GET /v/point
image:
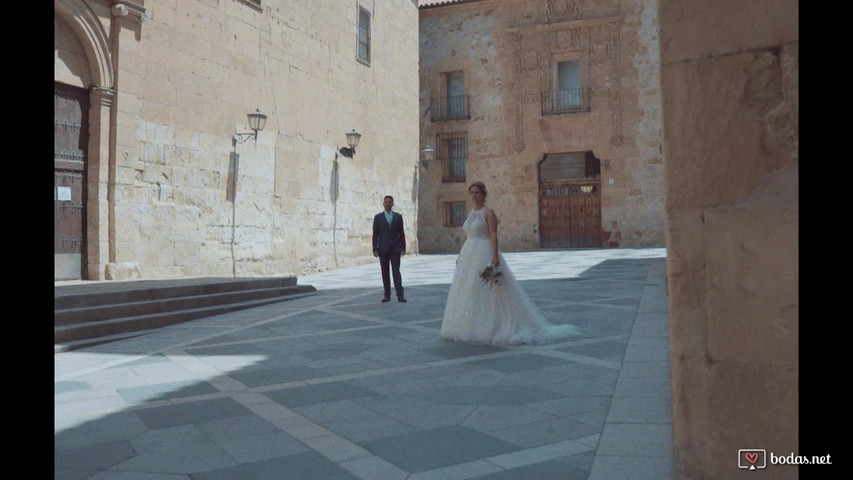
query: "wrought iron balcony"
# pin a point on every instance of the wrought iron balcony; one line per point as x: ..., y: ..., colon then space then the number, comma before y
x: 450, y: 108
x: 555, y: 102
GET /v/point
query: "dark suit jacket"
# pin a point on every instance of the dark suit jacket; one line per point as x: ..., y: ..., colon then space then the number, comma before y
x: 388, y: 238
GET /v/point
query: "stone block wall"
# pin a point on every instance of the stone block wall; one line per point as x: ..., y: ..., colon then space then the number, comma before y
x: 729, y: 79
x: 506, y: 49
x: 184, y: 202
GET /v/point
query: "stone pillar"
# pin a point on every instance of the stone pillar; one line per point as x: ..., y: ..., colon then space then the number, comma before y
x: 729, y: 76
x: 98, y: 213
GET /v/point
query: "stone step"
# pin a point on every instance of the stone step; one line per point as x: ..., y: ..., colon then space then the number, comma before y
x: 88, y: 294
x: 106, y: 311
x: 88, y: 314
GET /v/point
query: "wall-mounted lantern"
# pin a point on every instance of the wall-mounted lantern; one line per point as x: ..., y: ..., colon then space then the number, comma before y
x: 257, y: 122
x: 429, y: 154
x: 352, y: 140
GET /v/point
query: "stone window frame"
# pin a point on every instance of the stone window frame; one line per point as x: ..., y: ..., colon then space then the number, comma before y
x: 362, y: 12
x: 584, y: 104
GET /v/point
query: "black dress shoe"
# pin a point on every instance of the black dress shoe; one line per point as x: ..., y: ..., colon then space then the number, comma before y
x: 386, y: 299
x: 401, y: 299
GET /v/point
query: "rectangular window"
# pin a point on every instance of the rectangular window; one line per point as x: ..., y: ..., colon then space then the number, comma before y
x: 455, y: 94
x: 455, y: 213
x: 363, y: 53
x: 453, y: 154
x: 567, y: 94
x: 568, y: 84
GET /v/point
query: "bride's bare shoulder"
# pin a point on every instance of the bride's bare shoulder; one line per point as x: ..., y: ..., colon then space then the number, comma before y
x: 490, y: 212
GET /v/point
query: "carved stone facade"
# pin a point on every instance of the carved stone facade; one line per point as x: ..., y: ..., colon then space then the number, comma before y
x: 560, y: 120
x: 170, y: 82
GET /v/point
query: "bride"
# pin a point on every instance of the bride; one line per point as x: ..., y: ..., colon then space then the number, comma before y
x: 487, y: 305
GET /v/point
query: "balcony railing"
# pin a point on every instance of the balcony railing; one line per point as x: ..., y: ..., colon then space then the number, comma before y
x: 574, y: 100
x: 449, y: 108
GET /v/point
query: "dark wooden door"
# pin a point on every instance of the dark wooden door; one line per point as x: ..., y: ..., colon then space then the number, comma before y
x: 570, y: 214
x: 70, y: 142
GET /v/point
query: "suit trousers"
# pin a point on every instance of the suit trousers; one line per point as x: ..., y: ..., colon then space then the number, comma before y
x: 391, y: 260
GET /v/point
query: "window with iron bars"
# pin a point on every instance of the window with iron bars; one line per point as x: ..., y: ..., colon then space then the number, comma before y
x: 455, y: 213
x: 454, y: 105
x: 452, y: 151
x: 568, y: 95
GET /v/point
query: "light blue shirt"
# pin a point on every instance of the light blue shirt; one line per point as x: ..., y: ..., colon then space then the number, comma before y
x: 389, y: 216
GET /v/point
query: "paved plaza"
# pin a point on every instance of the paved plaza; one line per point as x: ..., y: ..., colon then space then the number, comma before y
x: 340, y: 386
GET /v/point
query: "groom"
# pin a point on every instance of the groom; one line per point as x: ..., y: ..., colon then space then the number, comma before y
x: 389, y: 243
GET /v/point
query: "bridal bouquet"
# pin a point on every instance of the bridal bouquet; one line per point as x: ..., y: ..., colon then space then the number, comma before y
x: 492, y: 275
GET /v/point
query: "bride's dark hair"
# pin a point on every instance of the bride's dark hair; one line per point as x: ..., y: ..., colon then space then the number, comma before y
x: 481, y: 186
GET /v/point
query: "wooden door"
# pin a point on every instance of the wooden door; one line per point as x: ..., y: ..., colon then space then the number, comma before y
x: 70, y: 141
x: 570, y: 215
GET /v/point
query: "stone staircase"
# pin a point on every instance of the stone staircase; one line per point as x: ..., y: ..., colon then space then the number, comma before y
x: 91, y: 313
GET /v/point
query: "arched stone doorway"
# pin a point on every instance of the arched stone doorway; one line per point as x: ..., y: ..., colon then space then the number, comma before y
x: 83, y: 100
x: 570, y: 200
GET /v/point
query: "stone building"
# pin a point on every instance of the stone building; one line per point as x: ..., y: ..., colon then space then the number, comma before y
x: 150, y: 93
x: 730, y: 109
x: 554, y: 105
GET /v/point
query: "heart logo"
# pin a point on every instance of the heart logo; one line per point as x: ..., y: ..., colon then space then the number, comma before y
x: 752, y: 457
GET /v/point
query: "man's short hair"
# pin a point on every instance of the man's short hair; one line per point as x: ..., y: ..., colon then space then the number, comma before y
x: 388, y: 196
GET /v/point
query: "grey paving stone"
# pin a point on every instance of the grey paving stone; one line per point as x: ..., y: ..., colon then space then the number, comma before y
x: 574, y: 405
x: 238, y: 349
x: 257, y: 377
x: 646, y: 369
x: 121, y: 426
x: 147, y: 360
x: 68, y: 386
x: 550, y: 470
x: 452, y: 350
x: 330, y: 413
x: 431, y: 416
x: 381, y: 331
x: 643, y: 388
x: 487, y: 417
x: 636, y: 440
x: 585, y: 387
x: 552, y: 430
x: 249, y: 438
x: 608, y: 467
x: 640, y: 410
x: 490, y: 395
x: 520, y: 362
x: 83, y: 462
x: 165, y: 391
x: 612, y: 350
x: 360, y: 429
x: 301, y: 466
x: 181, y: 449
x: 430, y: 449
x: 190, y: 413
x: 114, y: 475
x: 320, y: 393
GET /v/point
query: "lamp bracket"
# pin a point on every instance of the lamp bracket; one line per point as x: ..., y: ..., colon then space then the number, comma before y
x: 243, y: 137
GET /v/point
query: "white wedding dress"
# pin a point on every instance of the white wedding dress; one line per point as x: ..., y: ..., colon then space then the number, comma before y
x: 477, y: 312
